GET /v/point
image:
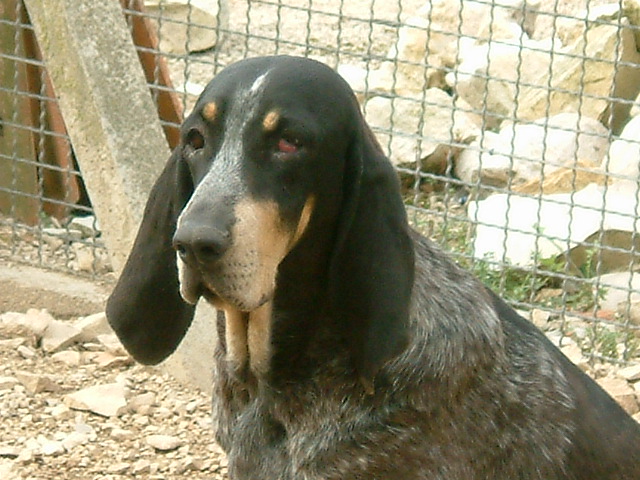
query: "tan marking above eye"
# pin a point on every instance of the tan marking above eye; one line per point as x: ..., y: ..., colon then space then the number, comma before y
x: 271, y: 119
x: 209, y: 111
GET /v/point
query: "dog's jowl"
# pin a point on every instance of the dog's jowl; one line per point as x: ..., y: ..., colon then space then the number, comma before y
x: 349, y: 346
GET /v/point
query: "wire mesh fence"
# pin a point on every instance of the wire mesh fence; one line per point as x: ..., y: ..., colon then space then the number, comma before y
x: 513, y: 125
x: 45, y: 215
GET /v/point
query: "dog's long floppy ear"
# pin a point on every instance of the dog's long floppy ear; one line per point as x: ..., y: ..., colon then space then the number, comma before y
x: 372, y: 269
x: 145, y: 308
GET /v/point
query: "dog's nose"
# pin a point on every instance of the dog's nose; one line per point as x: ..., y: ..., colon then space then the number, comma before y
x: 200, y: 244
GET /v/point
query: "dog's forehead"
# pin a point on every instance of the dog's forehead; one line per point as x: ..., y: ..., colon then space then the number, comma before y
x: 286, y: 82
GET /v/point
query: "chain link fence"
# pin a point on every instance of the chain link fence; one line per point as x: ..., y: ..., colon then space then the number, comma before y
x: 513, y: 125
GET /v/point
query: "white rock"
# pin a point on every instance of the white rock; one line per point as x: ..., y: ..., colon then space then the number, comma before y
x: 619, y: 289
x: 106, y: 400
x: 400, y: 122
x: 574, y: 353
x: 70, y: 358
x: 513, y: 228
x: 58, y: 336
x: 356, y: 77
x: 52, y: 448
x: 622, y: 393
x: 624, y: 154
x: 492, y: 75
x: 25, y: 352
x: 177, y: 35
x: 12, y: 343
x: 121, y: 434
x: 73, y: 440
x: 85, y: 429
x: 524, y: 152
x: 36, y: 321
x: 119, y: 468
x: 37, y: 383
x: 85, y: 260
x: 7, y: 451
x: 61, y: 412
x: 112, y: 344
x: 87, y: 226
x: 630, y: 374
x: 540, y: 318
x: 141, y: 466
x: 6, y: 469
x: 597, y: 62
x: 92, y: 326
x: 142, y: 400
x: 164, y: 443
x: 7, y: 383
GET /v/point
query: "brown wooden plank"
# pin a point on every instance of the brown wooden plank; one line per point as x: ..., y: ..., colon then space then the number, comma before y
x: 18, y: 172
x: 169, y: 105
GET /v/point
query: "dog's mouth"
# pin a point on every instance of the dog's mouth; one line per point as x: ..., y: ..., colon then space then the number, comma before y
x: 195, y: 284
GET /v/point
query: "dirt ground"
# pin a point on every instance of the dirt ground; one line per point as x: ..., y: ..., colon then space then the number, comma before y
x: 41, y: 438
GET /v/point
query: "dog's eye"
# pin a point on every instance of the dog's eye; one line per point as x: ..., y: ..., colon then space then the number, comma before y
x: 286, y: 146
x: 195, y: 139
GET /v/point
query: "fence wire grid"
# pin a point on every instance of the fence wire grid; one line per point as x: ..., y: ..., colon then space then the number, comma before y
x: 513, y: 125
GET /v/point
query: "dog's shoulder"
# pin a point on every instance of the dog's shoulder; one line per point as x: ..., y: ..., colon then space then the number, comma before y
x: 502, y: 365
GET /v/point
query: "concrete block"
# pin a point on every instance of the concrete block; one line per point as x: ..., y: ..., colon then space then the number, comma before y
x: 108, y: 111
x: 116, y: 135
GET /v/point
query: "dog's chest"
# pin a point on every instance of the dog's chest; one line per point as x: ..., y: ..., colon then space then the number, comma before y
x: 332, y: 432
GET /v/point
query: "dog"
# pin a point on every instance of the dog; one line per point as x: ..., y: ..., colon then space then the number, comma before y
x: 350, y: 347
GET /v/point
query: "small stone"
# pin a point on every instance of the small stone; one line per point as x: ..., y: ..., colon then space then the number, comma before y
x: 58, y: 336
x: 25, y: 352
x: 83, y: 428
x: 87, y: 225
x: 52, y: 448
x: 6, y: 469
x: 143, y: 400
x: 112, y: 344
x: 35, y: 383
x: 106, y: 400
x: 141, y: 421
x: 92, y: 326
x: 141, y: 466
x: 111, y: 361
x: 70, y: 358
x: 630, y: 374
x: 574, y: 353
x: 85, y: 258
x: 26, y: 456
x: 164, y: 443
x: 622, y: 393
x: 12, y: 343
x: 8, y: 452
x: 189, y: 463
x: 119, y: 468
x: 540, y: 318
x: 61, y: 412
x: 74, y: 439
x: 121, y: 434
x: 7, y: 383
x: 34, y: 321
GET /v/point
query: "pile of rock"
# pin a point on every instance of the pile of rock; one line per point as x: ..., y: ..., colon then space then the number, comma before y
x: 73, y: 401
x: 186, y: 26
x: 528, y: 102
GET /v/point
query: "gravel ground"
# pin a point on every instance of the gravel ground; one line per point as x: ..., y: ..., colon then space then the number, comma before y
x: 42, y: 438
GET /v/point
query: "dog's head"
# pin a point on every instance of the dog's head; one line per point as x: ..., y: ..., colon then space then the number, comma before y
x: 274, y: 157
